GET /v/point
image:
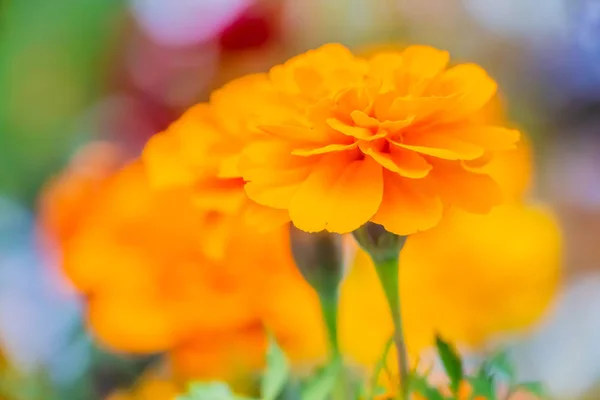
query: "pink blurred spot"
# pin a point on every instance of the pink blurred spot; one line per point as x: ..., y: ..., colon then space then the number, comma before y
x: 186, y: 22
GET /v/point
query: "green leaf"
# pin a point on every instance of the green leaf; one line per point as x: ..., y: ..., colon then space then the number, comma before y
x: 322, y: 385
x: 535, y: 388
x: 482, y: 385
x: 210, y: 391
x: 500, y: 363
x: 451, y: 361
x: 420, y: 385
x: 277, y: 373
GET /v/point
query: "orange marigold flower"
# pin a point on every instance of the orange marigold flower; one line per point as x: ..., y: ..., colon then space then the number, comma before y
x: 201, y: 151
x: 137, y: 256
x: 72, y: 194
x: 386, y: 139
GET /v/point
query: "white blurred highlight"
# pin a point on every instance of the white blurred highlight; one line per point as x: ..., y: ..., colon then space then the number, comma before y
x: 564, y: 352
x: 186, y: 22
x: 521, y: 18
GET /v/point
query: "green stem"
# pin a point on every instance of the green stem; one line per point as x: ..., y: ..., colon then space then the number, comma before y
x: 387, y: 271
x: 329, y: 308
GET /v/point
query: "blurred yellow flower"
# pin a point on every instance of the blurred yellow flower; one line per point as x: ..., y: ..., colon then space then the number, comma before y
x: 470, y: 278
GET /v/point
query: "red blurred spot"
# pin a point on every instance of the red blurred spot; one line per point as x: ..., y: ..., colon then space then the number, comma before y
x: 252, y: 29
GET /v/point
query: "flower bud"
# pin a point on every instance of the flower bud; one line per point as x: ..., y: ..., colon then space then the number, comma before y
x: 378, y: 242
x: 319, y: 257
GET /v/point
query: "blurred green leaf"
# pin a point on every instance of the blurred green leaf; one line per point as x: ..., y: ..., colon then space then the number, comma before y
x: 323, y: 383
x: 53, y: 60
x: 535, y: 388
x: 451, y: 361
x: 482, y: 385
x: 276, y: 374
x: 210, y: 391
x: 420, y: 385
x: 500, y: 363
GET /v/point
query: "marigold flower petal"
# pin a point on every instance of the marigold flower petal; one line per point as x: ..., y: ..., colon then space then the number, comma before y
x: 165, y: 165
x: 130, y: 322
x: 299, y: 133
x: 473, y: 84
x: 441, y: 146
x: 424, y: 62
x: 265, y: 219
x: 407, y: 206
x: 492, y: 138
x: 354, y: 131
x: 330, y: 148
x: 405, y: 163
x: 473, y: 192
x: 339, y: 195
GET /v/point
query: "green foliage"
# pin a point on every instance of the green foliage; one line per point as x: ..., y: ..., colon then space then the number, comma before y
x: 277, y: 373
x: 452, y: 363
x: 53, y: 56
x: 498, y: 369
x: 419, y: 384
x: 320, y: 386
x: 210, y: 391
x: 500, y: 364
x: 535, y: 388
x: 324, y: 384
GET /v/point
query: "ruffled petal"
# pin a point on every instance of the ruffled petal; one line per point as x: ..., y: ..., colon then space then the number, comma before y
x: 440, y: 146
x: 164, y: 164
x: 340, y: 195
x: 299, y: 134
x: 491, y: 138
x: 348, y: 130
x: 408, y: 206
x: 472, y: 192
x: 403, y: 162
x: 421, y: 65
x: 275, y: 183
x: 473, y: 85
x: 425, y: 61
x: 264, y: 219
x: 330, y: 148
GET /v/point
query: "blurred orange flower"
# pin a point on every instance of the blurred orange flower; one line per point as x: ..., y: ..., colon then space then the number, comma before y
x: 137, y: 255
x: 73, y: 193
x: 388, y: 139
x: 201, y: 151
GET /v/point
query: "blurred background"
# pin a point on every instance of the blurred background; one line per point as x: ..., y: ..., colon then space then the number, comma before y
x: 75, y: 71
